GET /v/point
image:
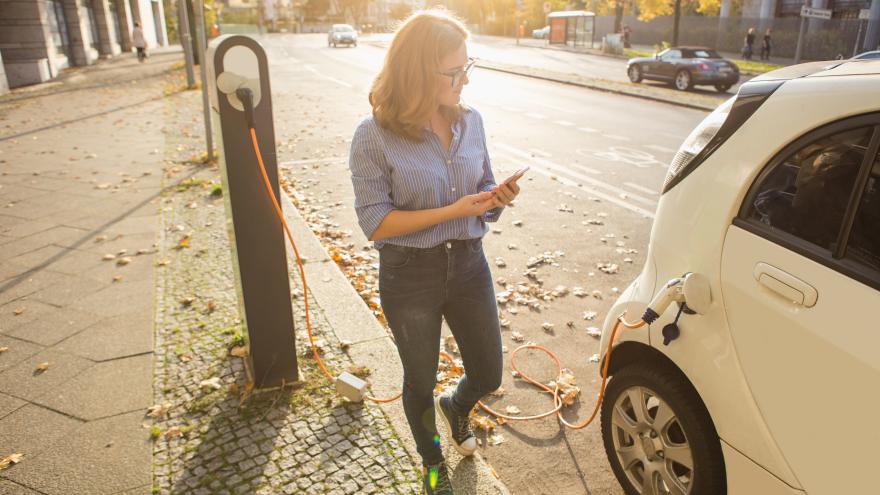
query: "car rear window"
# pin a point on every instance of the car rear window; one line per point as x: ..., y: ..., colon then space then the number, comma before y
x: 702, y: 54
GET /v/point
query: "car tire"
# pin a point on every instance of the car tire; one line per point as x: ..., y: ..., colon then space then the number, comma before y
x: 354, y: 45
x: 635, y: 73
x: 683, y: 80
x: 722, y: 88
x: 687, y: 428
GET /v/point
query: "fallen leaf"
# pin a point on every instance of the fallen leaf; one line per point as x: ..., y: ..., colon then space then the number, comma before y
x: 512, y: 410
x: 496, y: 439
x: 117, y: 278
x: 42, y: 367
x: 548, y: 327
x: 239, y: 351
x: 450, y: 344
x: 594, y: 332
x: 3, y: 349
x: 517, y: 337
x: 159, y: 410
x: 594, y: 358
x: 108, y: 257
x: 211, y: 383
x: 101, y: 238
x: 10, y: 460
x: 18, y: 311
x: 185, y: 358
x: 173, y: 432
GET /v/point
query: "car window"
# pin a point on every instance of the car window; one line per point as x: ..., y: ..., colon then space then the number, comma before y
x: 864, y: 242
x: 670, y: 54
x: 705, y: 54
x: 807, y: 193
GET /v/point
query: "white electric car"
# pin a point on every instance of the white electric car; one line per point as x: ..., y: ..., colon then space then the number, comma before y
x: 774, y: 200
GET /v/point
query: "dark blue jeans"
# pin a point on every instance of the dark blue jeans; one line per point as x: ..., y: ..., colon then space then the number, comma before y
x: 420, y: 287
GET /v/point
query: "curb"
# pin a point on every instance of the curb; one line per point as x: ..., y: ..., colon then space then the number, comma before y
x: 370, y: 345
x: 598, y: 86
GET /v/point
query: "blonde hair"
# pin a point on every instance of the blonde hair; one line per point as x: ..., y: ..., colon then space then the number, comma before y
x: 403, y: 95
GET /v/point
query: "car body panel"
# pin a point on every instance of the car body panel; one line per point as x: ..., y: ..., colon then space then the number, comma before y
x: 690, y: 222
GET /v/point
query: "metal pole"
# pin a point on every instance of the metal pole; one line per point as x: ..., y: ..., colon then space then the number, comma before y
x: 186, y: 41
x: 198, y: 9
x: 858, y: 38
x: 800, y: 43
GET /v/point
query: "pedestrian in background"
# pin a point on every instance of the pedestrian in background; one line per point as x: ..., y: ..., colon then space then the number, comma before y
x: 749, y: 45
x: 626, y: 34
x: 765, y: 45
x: 137, y: 39
x: 424, y: 192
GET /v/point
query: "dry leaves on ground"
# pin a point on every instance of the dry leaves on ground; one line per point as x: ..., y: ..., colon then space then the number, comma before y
x: 10, y: 460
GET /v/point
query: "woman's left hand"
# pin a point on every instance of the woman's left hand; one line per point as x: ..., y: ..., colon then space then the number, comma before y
x: 506, y: 193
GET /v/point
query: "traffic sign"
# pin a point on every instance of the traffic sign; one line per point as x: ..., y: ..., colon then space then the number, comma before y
x: 864, y: 14
x: 815, y: 13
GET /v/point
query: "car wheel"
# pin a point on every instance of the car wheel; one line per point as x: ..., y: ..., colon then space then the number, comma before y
x: 658, y: 435
x: 354, y: 45
x: 635, y: 73
x: 683, y: 80
x: 722, y: 88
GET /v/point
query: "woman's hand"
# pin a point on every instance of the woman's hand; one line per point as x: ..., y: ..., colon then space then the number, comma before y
x: 474, y: 205
x: 506, y: 193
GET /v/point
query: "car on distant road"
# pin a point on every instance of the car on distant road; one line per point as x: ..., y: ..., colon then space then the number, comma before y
x: 867, y: 55
x: 342, y: 34
x: 542, y: 33
x: 685, y: 67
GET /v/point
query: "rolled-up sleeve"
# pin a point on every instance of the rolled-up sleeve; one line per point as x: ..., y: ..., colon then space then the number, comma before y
x: 487, y: 182
x: 372, y: 186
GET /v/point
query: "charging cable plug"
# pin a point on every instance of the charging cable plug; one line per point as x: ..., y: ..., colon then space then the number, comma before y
x: 246, y: 96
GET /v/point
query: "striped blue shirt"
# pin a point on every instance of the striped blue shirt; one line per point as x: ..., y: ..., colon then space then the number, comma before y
x: 390, y: 172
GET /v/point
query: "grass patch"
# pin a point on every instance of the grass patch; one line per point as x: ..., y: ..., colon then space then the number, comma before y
x: 217, y: 190
x: 191, y: 183
x: 155, y: 432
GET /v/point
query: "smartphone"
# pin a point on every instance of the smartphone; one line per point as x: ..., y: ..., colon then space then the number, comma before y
x: 516, y: 175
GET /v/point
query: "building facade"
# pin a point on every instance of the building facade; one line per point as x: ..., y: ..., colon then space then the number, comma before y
x: 39, y: 38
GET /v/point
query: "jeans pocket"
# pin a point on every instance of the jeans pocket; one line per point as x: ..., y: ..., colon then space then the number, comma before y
x: 391, y: 256
x: 476, y: 246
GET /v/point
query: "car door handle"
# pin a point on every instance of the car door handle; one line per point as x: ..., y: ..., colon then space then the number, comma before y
x: 786, y: 285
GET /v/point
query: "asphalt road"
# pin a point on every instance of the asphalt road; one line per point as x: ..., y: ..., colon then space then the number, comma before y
x: 597, y: 163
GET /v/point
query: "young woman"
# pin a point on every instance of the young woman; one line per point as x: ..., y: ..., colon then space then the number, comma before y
x: 424, y: 190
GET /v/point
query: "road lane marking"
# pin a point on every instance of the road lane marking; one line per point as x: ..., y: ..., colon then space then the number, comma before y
x: 640, y: 188
x: 537, y: 116
x: 559, y: 109
x: 657, y: 147
x: 587, y: 129
x: 564, y: 122
x: 593, y: 191
x: 616, y: 136
x: 536, y: 151
x: 329, y: 78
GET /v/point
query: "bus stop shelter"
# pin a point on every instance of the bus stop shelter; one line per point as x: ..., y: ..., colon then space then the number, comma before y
x: 572, y: 27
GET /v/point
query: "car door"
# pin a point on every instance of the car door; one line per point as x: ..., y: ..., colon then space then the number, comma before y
x: 801, y: 288
x: 669, y: 63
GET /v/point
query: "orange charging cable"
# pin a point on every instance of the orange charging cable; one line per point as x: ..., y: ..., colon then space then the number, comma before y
x: 557, y: 400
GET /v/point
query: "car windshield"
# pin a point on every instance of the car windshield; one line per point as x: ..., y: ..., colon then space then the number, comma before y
x: 343, y: 29
x: 701, y: 54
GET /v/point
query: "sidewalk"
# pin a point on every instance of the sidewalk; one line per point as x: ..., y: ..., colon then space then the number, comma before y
x: 121, y: 365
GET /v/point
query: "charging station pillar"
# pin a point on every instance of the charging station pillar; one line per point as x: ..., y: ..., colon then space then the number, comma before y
x: 259, y: 254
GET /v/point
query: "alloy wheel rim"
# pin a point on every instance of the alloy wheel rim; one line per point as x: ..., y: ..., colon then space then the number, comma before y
x: 650, y: 444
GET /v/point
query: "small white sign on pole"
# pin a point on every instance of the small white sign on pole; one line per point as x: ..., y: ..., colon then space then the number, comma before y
x: 864, y: 14
x: 815, y: 13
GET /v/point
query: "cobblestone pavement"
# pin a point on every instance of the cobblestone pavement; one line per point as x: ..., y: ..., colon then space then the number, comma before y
x: 216, y: 437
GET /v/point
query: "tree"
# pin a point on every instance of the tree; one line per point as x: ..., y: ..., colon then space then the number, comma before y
x: 400, y: 11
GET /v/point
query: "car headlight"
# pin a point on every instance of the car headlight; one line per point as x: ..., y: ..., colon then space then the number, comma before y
x: 697, y: 141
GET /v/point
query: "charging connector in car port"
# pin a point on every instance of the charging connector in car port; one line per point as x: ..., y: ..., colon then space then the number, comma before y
x: 351, y: 387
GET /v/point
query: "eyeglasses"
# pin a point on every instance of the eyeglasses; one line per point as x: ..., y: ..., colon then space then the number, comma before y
x: 458, y: 74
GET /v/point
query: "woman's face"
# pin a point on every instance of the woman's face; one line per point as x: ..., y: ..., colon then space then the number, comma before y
x: 447, y: 94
